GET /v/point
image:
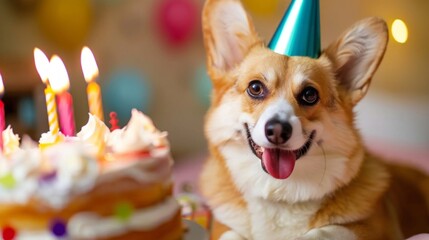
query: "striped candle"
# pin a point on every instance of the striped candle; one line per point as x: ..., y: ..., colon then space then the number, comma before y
x: 51, y: 109
x: 42, y: 66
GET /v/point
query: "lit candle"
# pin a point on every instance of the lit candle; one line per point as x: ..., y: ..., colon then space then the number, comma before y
x: 42, y: 66
x: 90, y: 72
x: 59, y: 81
x: 2, y: 115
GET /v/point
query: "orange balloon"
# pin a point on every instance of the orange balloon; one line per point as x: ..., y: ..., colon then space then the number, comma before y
x: 262, y: 8
x: 66, y: 22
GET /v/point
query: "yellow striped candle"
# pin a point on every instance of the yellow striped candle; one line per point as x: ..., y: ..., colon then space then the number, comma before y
x: 42, y: 66
x: 51, y: 108
x: 90, y: 72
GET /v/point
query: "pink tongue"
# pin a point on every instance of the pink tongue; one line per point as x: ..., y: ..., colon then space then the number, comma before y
x: 279, y: 163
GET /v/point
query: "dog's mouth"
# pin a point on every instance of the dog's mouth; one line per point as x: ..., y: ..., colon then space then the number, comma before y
x: 278, y: 162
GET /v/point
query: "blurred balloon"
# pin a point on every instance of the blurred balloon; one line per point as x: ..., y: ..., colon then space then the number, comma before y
x: 23, y: 6
x: 108, y: 2
x: 262, y: 8
x: 124, y: 90
x: 27, y: 112
x: 202, y: 85
x: 66, y: 22
x: 177, y: 20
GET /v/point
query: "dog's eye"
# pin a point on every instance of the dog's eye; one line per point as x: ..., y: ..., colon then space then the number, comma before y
x: 309, y: 96
x: 256, y: 89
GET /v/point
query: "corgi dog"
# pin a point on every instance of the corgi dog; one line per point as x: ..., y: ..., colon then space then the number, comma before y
x: 286, y: 160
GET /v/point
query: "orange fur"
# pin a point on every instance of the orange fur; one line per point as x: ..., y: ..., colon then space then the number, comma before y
x: 222, y: 189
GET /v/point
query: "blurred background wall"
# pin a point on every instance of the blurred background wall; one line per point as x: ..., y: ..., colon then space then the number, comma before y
x: 151, y: 56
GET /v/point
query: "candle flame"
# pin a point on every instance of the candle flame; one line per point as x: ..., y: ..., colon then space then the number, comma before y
x: 89, y: 65
x: 1, y: 86
x: 42, y: 64
x: 58, y: 76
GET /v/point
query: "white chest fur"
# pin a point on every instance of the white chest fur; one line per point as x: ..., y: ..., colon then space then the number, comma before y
x: 280, y: 220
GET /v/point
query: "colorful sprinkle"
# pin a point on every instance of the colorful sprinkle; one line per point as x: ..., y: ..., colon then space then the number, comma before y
x: 48, y: 177
x: 58, y: 228
x: 123, y: 211
x: 8, y: 233
x: 8, y: 181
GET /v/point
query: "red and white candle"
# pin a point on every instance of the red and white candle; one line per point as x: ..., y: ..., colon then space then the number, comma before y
x: 60, y: 84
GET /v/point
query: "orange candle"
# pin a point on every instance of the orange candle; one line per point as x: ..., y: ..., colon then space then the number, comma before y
x: 42, y: 66
x: 90, y: 72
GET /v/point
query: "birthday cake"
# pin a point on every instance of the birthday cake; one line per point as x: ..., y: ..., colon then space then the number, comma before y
x: 100, y: 184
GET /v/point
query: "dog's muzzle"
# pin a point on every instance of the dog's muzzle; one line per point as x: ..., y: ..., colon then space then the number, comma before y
x: 277, y: 161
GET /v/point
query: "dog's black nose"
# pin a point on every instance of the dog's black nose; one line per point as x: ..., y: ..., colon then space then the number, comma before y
x: 278, y: 131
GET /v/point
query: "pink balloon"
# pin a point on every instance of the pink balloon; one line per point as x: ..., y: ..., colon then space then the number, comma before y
x: 177, y: 20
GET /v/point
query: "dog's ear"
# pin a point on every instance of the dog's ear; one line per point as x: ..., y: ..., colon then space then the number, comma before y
x: 228, y: 34
x: 357, y: 54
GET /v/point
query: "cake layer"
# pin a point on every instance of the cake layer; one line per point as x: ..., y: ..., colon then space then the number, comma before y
x: 33, y: 217
x: 103, y: 203
x: 152, y: 222
x: 139, y: 183
x: 172, y: 230
x: 161, y: 221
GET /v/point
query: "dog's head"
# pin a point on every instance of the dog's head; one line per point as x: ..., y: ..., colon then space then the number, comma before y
x: 285, y: 125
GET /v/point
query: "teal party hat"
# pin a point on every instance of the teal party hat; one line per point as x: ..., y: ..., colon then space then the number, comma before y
x: 298, y: 33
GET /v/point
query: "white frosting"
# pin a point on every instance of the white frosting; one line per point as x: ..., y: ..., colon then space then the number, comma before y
x: 95, y: 133
x: 76, y: 172
x: 10, y: 141
x: 23, y: 166
x: 147, y: 170
x: 140, y: 134
x: 91, y: 226
x: 39, y: 235
x: 49, y: 138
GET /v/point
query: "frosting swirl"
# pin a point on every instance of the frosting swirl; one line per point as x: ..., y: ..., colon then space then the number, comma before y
x: 140, y: 134
x: 10, y: 141
x: 48, y: 139
x: 94, y: 133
